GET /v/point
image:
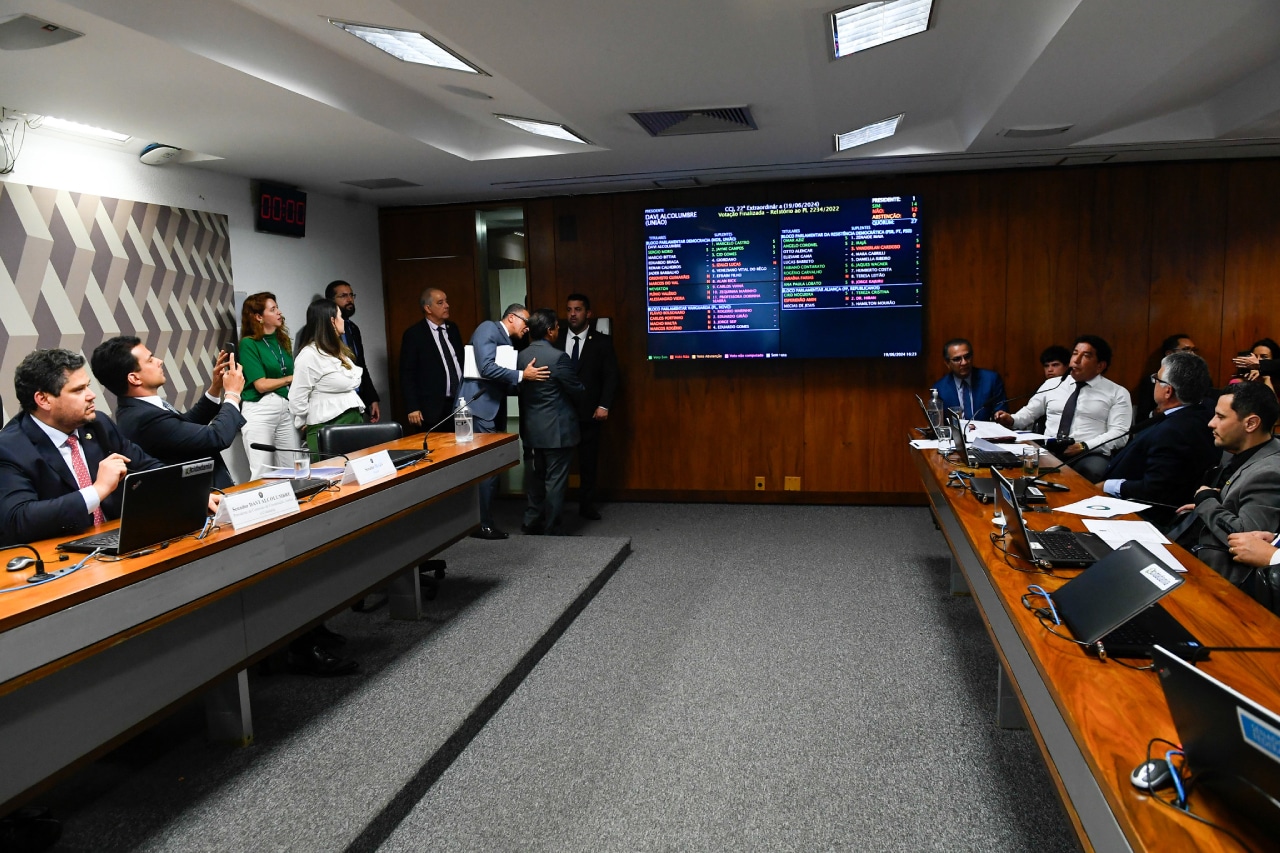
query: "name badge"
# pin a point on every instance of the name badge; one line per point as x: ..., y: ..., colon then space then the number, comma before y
x: 366, y: 469
x: 244, y: 509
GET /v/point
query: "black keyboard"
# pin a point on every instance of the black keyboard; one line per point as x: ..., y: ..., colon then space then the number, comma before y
x: 1061, y: 546
x: 109, y: 541
x: 993, y: 459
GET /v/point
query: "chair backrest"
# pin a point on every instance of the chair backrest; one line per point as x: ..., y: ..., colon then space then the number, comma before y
x: 348, y: 438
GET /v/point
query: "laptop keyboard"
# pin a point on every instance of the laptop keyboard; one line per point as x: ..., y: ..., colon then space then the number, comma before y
x: 997, y: 458
x: 308, y: 487
x: 110, y: 539
x: 1062, y: 546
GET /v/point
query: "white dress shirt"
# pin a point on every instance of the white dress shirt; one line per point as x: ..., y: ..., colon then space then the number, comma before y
x: 1104, y: 411
x: 322, y: 387
x: 59, y: 439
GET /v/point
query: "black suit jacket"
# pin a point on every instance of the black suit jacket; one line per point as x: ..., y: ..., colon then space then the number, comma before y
x: 549, y: 410
x: 39, y: 497
x: 368, y: 393
x: 598, y: 370
x: 423, y: 374
x: 1166, y: 461
x: 206, y: 429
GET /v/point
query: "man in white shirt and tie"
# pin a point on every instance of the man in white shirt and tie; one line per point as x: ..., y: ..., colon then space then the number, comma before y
x: 1089, y: 409
x: 431, y: 361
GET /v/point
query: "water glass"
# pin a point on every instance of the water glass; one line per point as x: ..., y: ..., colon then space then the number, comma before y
x: 944, y: 439
x: 1030, y: 461
x: 302, y: 466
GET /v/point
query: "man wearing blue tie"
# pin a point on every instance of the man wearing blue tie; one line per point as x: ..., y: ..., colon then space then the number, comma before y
x: 976, y: 393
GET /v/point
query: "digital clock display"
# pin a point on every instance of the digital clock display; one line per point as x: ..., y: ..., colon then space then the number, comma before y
x: 280, y: 210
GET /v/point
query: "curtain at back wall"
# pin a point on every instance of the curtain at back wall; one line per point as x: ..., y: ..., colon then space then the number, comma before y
x: 77, y: 269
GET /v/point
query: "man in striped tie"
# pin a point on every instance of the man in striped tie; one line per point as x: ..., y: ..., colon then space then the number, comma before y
x: 60, y: 461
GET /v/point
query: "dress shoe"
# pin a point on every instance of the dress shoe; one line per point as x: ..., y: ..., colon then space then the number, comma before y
x: 329, y: 639
x: 491, y: 533
x: 531, y: 529
x: 321, y: 662
x: 433, y: 567
x: 29, y: 830
x: 590, y: 513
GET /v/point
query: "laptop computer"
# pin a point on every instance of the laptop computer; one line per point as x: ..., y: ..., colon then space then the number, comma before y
x: 156, y: 506
x: 926, y: 431
x: 1231, y: 743
x: 1113, y: 604
x: 405, y: 458
x: 977, y: 456
x: 1057, y: 549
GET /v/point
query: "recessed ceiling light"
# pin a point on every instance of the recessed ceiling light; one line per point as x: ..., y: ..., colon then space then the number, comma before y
x: 408, y: 45
x: 544, y: 128
x: 81, y: 129
x: 870, y: 133
x: 866, y: 25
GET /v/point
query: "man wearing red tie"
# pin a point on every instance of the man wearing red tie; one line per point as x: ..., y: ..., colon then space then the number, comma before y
x: 60, y: 461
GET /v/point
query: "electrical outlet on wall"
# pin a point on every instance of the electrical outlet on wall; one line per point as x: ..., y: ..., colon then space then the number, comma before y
x: 791, y: 484
x: 759, y: 484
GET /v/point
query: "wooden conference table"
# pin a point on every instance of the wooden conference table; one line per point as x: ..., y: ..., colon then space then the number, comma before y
x: 89, y: 659
x: 1092, y: 719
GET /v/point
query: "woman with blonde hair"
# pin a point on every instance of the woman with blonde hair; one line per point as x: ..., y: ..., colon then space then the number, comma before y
x: 326, y: 385
x: 268, y: 371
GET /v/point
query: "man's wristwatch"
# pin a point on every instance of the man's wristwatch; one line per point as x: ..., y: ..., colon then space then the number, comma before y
x: 1083, y: 447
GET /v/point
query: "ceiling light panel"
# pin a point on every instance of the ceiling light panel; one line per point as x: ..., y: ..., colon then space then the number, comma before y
x: 408, y: 46
x: 544, y: 128
x: 79, y: 129
x: 874, y: 23
x: 870, y: 133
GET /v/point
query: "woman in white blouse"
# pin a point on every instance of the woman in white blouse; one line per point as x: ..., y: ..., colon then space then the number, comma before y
x: 325, y: 376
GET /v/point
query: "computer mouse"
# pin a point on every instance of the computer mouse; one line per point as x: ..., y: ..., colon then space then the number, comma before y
x: 17, y: 564
x: 1152, y: 775
x: 1058, y: 528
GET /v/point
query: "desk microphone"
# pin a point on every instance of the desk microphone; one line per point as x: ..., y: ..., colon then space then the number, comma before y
x: 271, y: 448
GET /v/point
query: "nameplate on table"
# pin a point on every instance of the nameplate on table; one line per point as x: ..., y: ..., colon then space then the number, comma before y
x: 366, y: 469
x: 254, y: 506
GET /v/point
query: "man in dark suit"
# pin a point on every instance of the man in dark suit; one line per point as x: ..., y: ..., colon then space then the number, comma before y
x: 431, y: 362
x: 60, y: 461
x: 549, y: 423
x: 341, y: 293
x: 487, y: 395
x: 1167, y: 461
x: 128, y: 369
x: 592, y: 355
x: 975, y: 392
x: 1245, y: 495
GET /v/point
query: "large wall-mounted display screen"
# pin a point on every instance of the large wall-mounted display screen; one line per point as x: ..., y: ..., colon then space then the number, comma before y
x: 806, y: 279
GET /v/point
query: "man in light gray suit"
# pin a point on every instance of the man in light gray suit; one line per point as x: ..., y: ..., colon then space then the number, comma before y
x: 1246, y: 494
x: 549, y: 423
x: 487, y: 396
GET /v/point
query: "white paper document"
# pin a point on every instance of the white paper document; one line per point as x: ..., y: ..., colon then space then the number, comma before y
x: 505, y: 357
x: 987, y: 429
x: 1116, y: 533
x: 1102, y: 506
x: 924, y: 444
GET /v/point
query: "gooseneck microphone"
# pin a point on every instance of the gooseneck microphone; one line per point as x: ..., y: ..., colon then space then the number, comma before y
x: 271, y: 448
x: 462, y: 405
x: 1034, y: 393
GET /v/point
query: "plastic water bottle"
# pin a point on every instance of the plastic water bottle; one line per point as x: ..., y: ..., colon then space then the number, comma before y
x: 462, y: 431
x: 937, y: 414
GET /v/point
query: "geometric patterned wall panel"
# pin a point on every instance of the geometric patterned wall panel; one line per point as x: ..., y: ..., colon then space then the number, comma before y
x: 77, y: 269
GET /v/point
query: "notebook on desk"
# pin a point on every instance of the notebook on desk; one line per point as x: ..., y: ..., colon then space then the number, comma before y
x: 1060, y: 550
x: 1113, y: 603
x: 1231, y: 743
x: 156, y: 506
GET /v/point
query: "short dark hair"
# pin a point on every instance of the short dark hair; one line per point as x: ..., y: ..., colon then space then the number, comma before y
x: 954, y: 342
x: 513, y: 308
x: 1170, y: 344
x: 44, y: 370
x: 579, y: 297
x: 1101, y: 347
x: 1269, y: 344
x: 1057, y: 352
x: 113, y: 361
x: 332, y: 286
x: 1254, y: 398
x: 541, y: 322
x: 1188, y: 374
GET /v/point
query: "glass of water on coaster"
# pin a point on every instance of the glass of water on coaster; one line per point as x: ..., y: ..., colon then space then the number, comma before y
x: 1030, y: 461
x: 944, y: 439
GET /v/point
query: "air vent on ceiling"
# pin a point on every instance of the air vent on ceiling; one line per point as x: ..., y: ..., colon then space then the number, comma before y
x: 689, y: 122
x: 381, y: 184
x: 26, y: 32
x: 1034, y: 132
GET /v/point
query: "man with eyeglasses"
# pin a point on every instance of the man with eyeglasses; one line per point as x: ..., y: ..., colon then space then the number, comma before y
x: 1165, y: 463
x: 487, y: 396
x: 1143, y: 399
x: 974, y: 392
x: 341, y: 293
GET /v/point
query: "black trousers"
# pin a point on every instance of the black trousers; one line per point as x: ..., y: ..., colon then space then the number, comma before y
x: 588, y: 462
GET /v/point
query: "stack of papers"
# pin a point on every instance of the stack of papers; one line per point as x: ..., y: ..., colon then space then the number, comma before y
x: 1117, y: 533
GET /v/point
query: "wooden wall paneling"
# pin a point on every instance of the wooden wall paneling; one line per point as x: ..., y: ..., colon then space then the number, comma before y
x: 1251, y: 289
x: 1115, y: 266
x: 1042, y: 251
x: 1188, y: 259
x: 540, y: 231
x: 772, y: 427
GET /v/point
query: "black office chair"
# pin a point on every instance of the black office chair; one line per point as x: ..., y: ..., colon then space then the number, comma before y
x: 348, y: 438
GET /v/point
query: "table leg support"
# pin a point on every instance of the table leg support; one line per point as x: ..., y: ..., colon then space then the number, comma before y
x: 1008, y: 710
x: 404, y: 595
x: 959, y: 586
x: 226, y: 710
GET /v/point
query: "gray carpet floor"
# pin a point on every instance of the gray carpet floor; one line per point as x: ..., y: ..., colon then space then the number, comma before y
x: 760, y: 678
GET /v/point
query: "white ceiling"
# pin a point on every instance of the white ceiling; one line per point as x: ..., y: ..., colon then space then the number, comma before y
x: 272, y: 90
